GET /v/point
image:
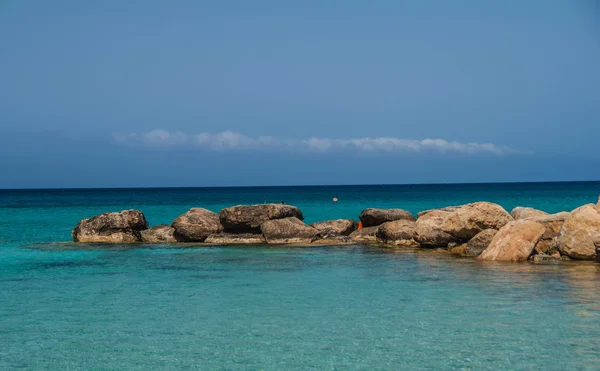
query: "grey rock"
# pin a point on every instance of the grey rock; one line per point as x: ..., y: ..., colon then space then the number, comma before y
x: 399, y: 232
x: 159, y: 234
x: 113, y: 227
x: 196, y: 225
x: 342, y: 227
x: 288, y: 231
x: 374, y: 217
x: 249, y: 218
x: 368, y: 234
x: 480, y: 242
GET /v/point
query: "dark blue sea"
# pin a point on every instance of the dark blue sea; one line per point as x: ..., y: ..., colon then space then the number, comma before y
x: 284, y: 308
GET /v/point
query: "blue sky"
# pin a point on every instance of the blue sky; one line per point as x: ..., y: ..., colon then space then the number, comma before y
x: 195, y: 93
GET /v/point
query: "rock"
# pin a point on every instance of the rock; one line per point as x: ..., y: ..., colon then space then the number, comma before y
x: 333, y: 240
x: 399, y: 232
x: 368, y: 234
x: 196, y: 225
x: 429, y: 229
x: 288, y: 230
x: 468, y: 220
x: 543, y: 259
x: 159, y: 234
x: 547, y: 247
x: 115, y: 227
x: 447, y: 208
x: 248, y: 219
x: 514, y: 242
x: 375, y: 217
x: 552, y: 222
x: 458, y: 250
x: 480, y: 242
x: 526, y: 212
x: 580, y: 234
x: 235, y: 239
x: 342, y: 227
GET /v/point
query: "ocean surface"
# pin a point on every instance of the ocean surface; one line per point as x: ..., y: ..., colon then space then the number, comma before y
x: 281, y: 308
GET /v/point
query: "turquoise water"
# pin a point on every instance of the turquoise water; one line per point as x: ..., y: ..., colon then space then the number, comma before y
x: 278, y: 308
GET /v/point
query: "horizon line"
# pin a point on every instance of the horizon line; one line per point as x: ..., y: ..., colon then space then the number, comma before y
x: 293, y: 186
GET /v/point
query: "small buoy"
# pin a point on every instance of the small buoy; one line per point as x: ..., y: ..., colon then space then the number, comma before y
x: 335, y: 199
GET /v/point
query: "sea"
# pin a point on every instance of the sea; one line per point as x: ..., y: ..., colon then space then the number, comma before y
x: 357, y: 307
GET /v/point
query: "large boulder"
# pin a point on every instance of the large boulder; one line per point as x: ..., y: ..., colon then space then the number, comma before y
x: 514, y: 242
x: 374, y: 217
x: 429, y: 228
x: 526, y: 212
x: 196, y: 225
x: 468, y: 220
x: 115, y: 227
x: 368, y: 234
x: 399, y: 233
x: 288, y: 230
x: 248, y: 219
x: 159, y: 234
x: 342, y: 227
x: 580, y: 234
x: 480, y: 242
x: 235, y: 239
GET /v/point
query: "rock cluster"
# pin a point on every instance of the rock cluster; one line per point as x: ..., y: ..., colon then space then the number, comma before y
x: 482, y: 229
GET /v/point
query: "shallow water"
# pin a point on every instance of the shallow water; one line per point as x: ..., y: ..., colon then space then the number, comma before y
x: 354, y: 307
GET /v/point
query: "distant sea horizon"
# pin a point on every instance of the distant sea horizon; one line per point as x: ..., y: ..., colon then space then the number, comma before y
x: 291, y: 186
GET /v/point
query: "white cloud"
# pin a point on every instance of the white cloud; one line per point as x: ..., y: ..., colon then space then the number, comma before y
x: 233, y: 141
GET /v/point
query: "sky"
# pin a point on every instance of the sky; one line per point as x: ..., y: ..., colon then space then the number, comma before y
x: 244, y: 93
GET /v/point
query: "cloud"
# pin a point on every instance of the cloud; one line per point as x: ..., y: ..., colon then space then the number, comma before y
x: 234, y: 141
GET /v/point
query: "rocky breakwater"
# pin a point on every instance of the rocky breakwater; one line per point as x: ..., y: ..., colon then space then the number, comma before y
x: 482, y: 229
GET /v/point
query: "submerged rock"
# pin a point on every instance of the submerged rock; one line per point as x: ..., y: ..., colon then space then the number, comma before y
x: 543, y: 259
x: 399, y: 232
x: 514, y: 242
x: 288, y: 230
x: 480, y: 242
x: 248, y: 219
x: 374, y: 217
x: 580, y: 233
x: 526, y: 212
x: 342, y: 227
x: 114, y: 227
x: 159, y: 234
x: 196, y: 225
x: 458, y: 250
x: 235, y: 239
x: 368, y: 234
x: 332, y: 240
